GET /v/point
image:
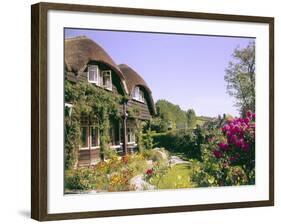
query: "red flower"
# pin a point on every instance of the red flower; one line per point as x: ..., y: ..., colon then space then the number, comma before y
x: 217, y: 153
x: 149, y: 172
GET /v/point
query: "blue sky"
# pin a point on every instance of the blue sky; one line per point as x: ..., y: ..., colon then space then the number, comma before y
x: 187, y: 70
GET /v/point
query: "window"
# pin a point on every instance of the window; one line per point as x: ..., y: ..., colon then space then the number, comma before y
x: 94, y: 136
x: 131, y: 135
x: 106, y: 79
x: 114, y: 132
x: 141, y: 96
x: 89, y: 137
x: 84, y: 137
x: 93, y: 73
x: 138, y: 94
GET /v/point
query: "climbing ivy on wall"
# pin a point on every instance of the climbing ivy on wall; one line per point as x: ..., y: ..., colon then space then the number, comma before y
x: 98, y: 105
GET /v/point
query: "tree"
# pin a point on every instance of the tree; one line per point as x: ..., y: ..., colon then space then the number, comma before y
x: 240, y: 78
x: 170, y: 116
x: 191, y: 118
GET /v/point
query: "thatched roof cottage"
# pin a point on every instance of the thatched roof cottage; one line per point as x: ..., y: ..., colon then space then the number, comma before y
x: 86, y: 60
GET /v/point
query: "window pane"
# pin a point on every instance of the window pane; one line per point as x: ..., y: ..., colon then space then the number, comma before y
x: 128, y: 135
x: 141, y: 96
x: 84, y: 137
x: 94, y: 136
x: 117, y: 133
x: 136, y: 92
x: 93, y: 73
x: 133, y: 136
x: 111, y: 134
x: 107, y: 79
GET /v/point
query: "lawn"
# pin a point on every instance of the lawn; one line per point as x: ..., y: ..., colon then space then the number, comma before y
x: 178, y: 176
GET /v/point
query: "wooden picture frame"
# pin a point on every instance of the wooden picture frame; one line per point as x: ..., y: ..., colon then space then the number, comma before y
x: 39, y: 110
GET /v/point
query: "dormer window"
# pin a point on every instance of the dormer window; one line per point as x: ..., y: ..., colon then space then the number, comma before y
x: 93, y: 74
x: 106, y: 79
x: 100, y: 78
x: 138, y: 94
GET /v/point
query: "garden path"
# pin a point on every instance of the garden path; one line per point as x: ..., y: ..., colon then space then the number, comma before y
x: 177, y: 160
x: 140, y: 184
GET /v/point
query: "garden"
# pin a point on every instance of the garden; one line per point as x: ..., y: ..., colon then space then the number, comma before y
x: 203, y: 157
x: 175, y: 149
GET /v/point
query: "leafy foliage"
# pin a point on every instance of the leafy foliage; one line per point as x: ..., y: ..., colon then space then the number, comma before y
x: 185, y: 142
x: 98, y: 105
x: 240, y: 78
x: 171, y: 115
x: 228, y: 154
x: 191, y: 118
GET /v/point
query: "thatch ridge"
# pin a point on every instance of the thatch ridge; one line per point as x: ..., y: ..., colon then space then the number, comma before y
x: 80, y: 50
x: 133, y: 79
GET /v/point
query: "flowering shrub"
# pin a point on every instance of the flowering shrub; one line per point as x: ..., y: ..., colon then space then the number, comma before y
x: 237, y: 147
x: 228, y: 154
x: 111, y: 175
x: 119, y: 181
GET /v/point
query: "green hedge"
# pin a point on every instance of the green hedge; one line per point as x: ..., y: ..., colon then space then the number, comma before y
x: 185, y: 142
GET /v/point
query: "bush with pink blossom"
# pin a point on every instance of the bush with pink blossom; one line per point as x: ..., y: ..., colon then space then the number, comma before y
x: 237, y: 148
x: 228, y: 154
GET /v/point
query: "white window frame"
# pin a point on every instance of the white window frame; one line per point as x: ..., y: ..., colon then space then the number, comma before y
x: 89, y: 138
x: 138, y: 94
x: 109, y: 74
x: 141, y: 96
x: 131, y: 132
x: 97, y: 75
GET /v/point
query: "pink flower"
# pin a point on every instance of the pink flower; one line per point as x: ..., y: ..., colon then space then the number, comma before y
x: 236, y: 129
x: 253, y: 116
x: 233, y: 139
x: 249, y: 114
x: 223, y: 146
x: 225, y: 128
x: 239, y: 143
x: 217, y: 153
x: 245, y: 147
x: 247, y: 120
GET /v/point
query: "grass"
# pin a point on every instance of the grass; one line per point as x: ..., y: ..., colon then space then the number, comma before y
x: 178, y: 176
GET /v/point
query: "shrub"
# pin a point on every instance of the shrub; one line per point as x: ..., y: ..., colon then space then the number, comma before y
x: 84, y: 179
x: 228, y: 154
x: 119, y: 181
x: 187, y: 142
x: 156, y: 155
x: 236, y: 176
x: 147, y: 140
x: 137, y: 164
x: 238, y: 145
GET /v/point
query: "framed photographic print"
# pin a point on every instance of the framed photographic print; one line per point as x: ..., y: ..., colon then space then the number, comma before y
x: 139, y: 111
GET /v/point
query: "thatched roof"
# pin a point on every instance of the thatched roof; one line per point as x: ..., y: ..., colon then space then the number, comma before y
x: 133, y: 79
x: 79, y: 51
